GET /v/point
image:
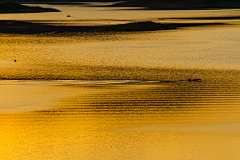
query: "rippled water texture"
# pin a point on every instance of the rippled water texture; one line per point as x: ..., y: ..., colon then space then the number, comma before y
x: 124, y: 95
x: 120, y: 56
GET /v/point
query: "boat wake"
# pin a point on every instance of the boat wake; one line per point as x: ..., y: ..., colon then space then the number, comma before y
x: 82, y: 82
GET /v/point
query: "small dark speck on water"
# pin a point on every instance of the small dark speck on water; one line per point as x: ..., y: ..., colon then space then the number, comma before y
x: 15, y: 60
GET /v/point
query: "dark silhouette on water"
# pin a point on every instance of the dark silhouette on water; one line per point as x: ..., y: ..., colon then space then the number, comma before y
x: 190, y: 80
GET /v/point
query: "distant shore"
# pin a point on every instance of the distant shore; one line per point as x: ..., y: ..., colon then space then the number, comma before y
x: 135, y: 26
x: 147, y: 4
x: 178, y: 4
x: 11, y: 7
x: 23, y: 27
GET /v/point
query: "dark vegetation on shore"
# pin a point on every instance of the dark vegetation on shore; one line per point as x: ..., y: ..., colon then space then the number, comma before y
x: 180, y: 4
x: 23, y: 27
x: 137, y: 26
x: 10, y: 7
x: 151, y: 4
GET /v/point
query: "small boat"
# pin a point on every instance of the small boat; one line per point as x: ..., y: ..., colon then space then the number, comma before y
x: 198, y: 80
x: 68, y: 15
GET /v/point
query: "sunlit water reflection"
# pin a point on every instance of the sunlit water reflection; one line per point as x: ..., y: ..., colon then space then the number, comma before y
x: 119, y: 120
x: 121, y: 96
x: 118, y: 56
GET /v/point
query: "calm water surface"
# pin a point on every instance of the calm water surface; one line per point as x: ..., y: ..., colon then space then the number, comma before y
x: 121, y: 96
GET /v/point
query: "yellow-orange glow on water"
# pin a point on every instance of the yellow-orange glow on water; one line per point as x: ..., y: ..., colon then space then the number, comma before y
x: 88, y: 96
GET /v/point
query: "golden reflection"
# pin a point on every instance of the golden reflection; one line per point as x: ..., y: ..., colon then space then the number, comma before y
x: 115, y: 104
x: 134, y: 120
x: 117, y: 56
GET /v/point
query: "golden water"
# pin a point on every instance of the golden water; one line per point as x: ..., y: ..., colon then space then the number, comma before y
x: 105, y: 96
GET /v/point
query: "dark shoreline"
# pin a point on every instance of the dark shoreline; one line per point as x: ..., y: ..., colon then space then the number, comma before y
x: 11, y: 7
x: 24, y: 27
x: 146, y: 4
